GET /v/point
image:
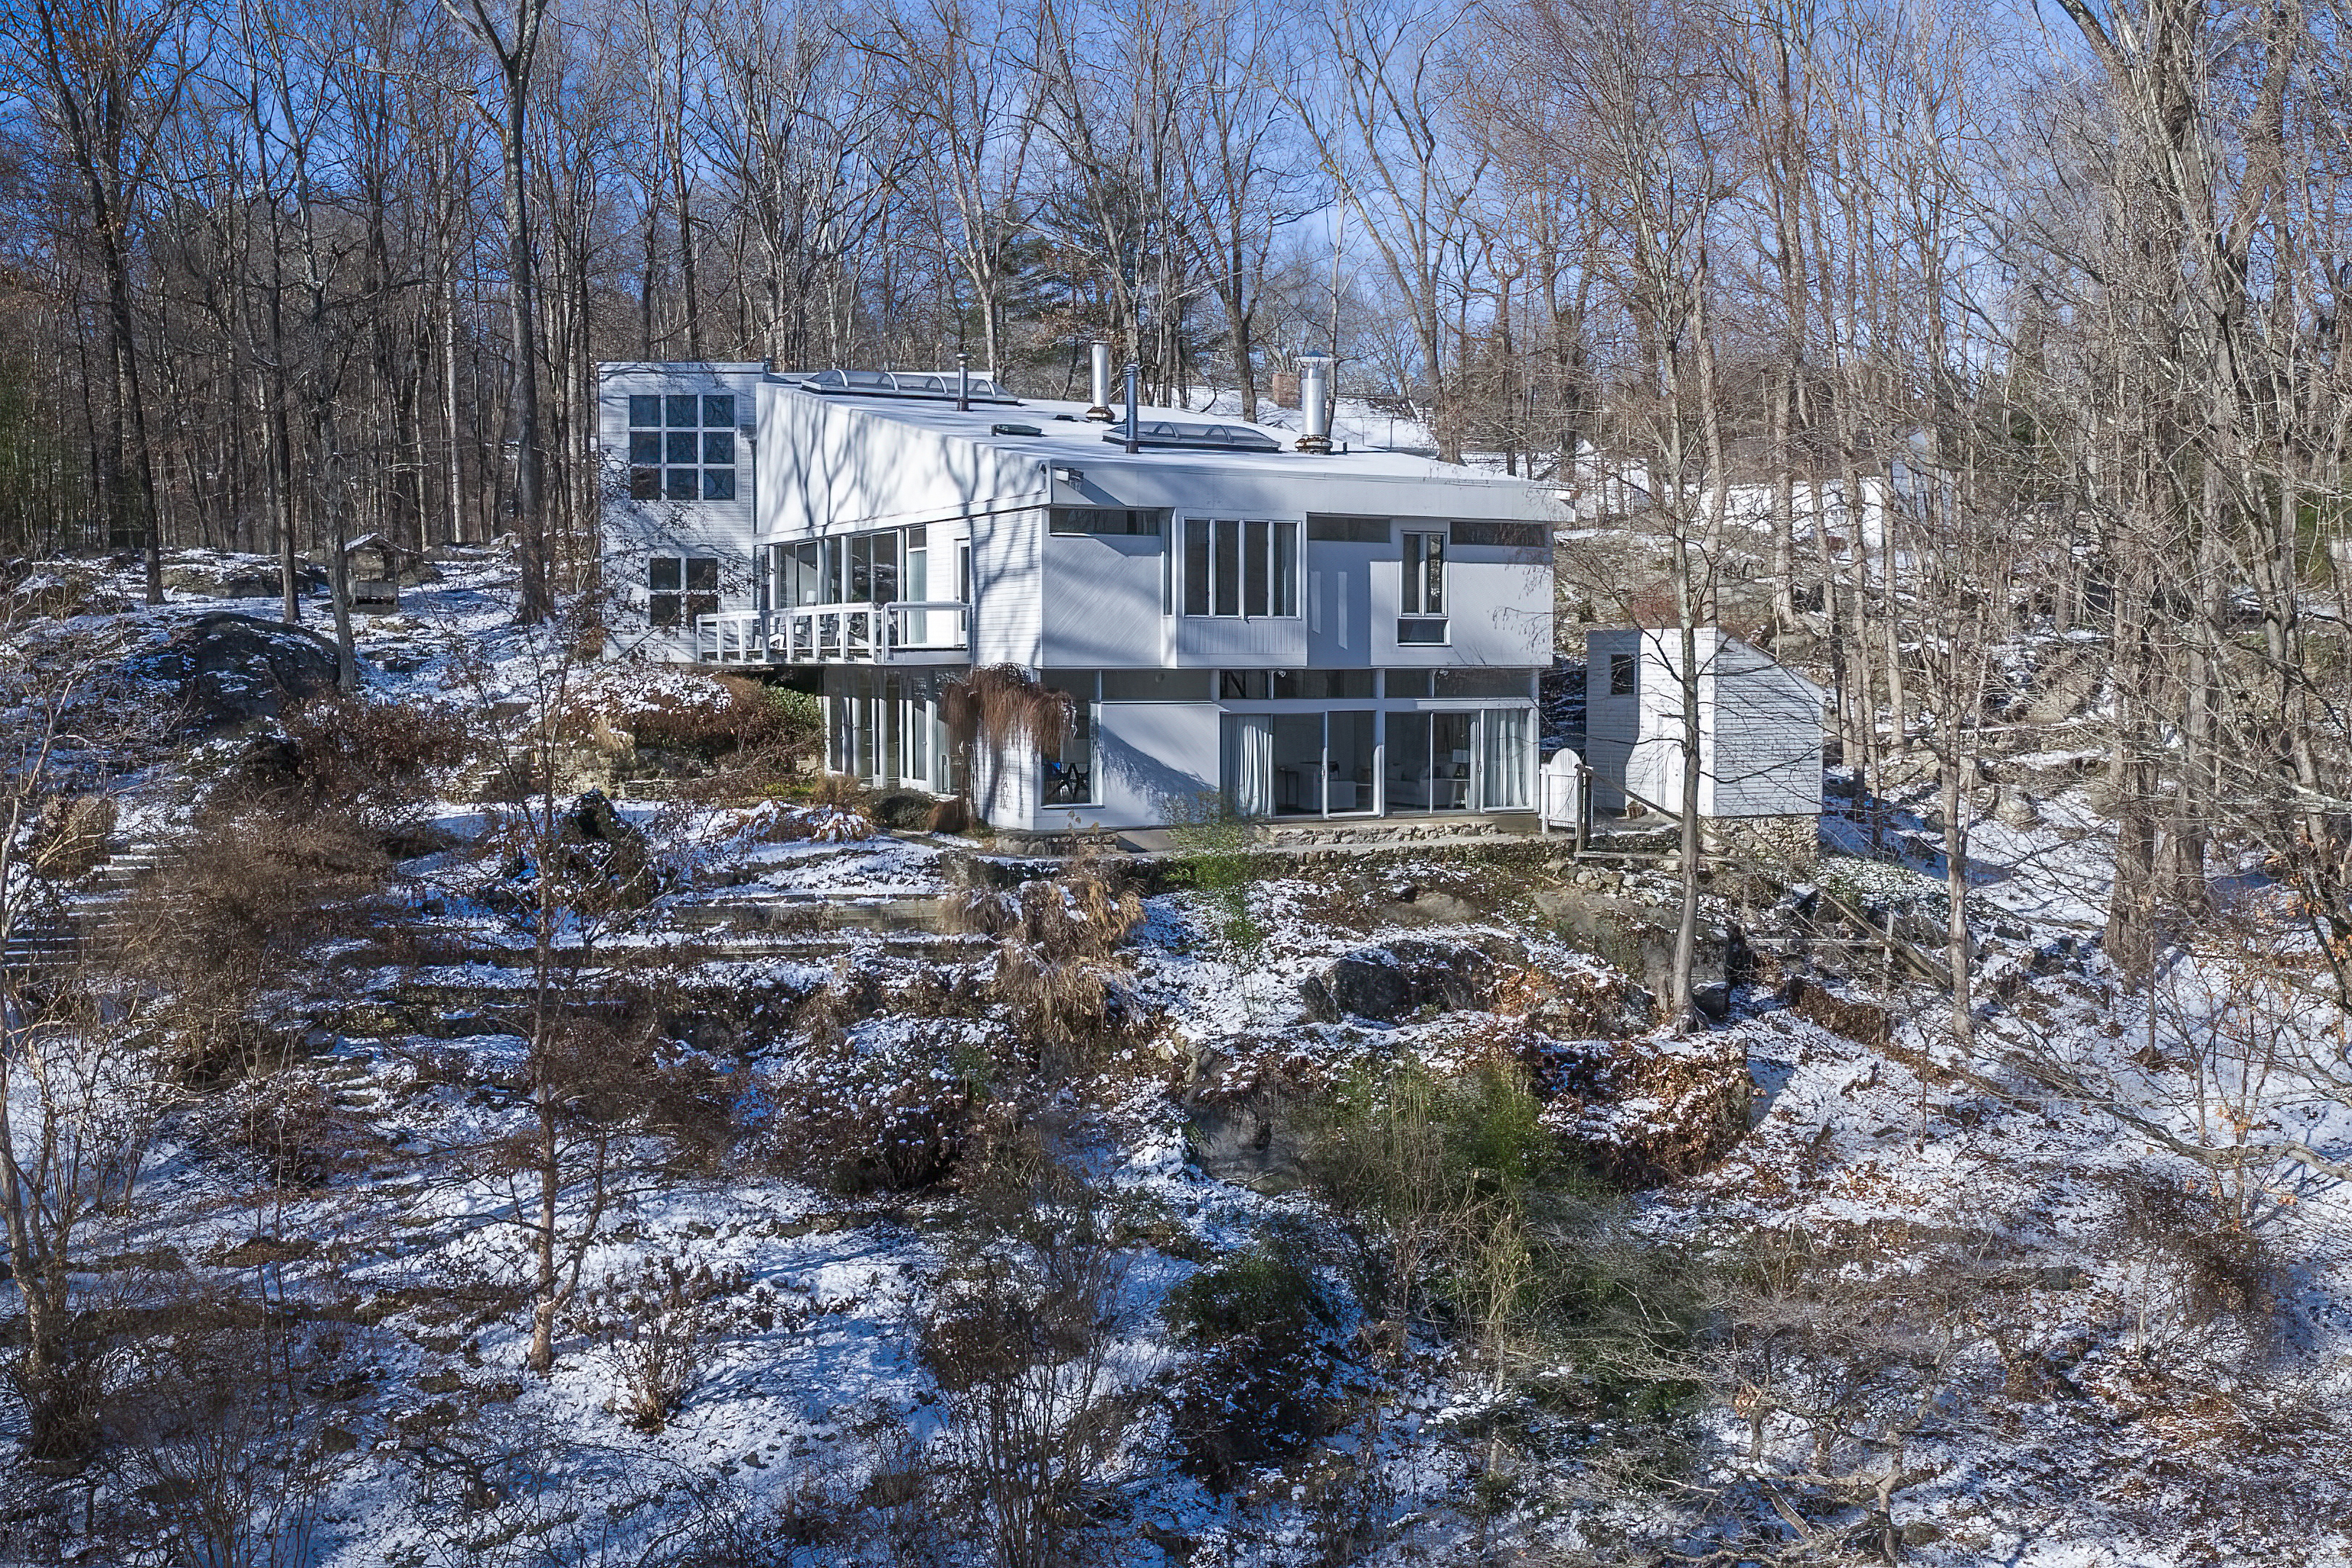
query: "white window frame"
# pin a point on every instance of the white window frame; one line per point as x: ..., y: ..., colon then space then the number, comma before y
x: 661, y: 474
x: 1281, y: 566
x: 685, y: 594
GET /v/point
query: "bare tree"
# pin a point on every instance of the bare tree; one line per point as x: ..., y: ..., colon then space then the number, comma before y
x: 511, y: 39
x: 106, y: 74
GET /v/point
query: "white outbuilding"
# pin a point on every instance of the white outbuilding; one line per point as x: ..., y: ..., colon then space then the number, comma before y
x: 1759, y: 725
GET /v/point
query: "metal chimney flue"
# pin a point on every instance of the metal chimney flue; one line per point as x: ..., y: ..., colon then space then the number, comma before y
x: 1315, y: 402
x: 1098, y: 382
x: 1134, y: 373
x: 963, y: 384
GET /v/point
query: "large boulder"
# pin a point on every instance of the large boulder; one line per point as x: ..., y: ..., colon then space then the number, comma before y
x: 1410, y: 977
x: 1403, y: 979
x: 1258, y: 1138
x: 1639, y: 936
x: 230, y: 669
x: 236, y: 577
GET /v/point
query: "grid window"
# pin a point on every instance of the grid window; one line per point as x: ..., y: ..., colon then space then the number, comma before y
x: 680, y: 587
x: 682, y: 447
x: 1240, y: 569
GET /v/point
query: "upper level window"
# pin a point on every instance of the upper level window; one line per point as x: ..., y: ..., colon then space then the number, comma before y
x: 850, y: 569
x: 1620, y: 675
x: 682, y: 447
x: 1240, y: 567
x: 1336, y: 530
x: 1424, y: 574
x: 1510, y: 535
x: 1105, y: 520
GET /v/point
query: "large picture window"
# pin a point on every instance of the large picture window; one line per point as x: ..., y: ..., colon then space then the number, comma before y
x: 1240, y: 568
x: 851, y: 569
x: 1460, y: 761
x: 682, y: 447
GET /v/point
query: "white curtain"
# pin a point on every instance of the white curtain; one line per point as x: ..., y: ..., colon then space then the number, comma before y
x: 1249, y: 764
x: 1506, y: 753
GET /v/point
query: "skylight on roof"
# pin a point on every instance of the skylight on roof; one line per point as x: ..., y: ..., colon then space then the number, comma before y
x: 1205, y: 437
x: 931, y: 386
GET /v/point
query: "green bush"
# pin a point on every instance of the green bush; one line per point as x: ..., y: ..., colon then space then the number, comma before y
x: 1216, y: 856
x: 1259, y: 1389
x: 1273, y: 1282
x: 1471, y: 1219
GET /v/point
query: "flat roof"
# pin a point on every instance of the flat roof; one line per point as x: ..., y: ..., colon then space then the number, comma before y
x: 1066, y: 437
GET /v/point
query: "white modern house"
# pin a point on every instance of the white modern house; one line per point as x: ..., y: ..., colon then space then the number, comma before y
x: 1305, y: 631
x: 1760, y: 752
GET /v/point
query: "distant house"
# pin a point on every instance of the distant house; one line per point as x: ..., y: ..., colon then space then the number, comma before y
x: 1305, y: 631
x: 1760, y: 726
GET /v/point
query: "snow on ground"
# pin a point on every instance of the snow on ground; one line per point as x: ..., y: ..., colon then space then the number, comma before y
x: 2097, y: 1410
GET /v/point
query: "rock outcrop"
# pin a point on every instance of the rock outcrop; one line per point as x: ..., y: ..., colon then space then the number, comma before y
x: 230, y: 669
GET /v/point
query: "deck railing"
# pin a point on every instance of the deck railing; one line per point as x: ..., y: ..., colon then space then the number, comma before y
x: 903, y: 630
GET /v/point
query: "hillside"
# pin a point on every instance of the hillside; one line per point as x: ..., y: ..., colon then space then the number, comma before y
x: 882, y: 1196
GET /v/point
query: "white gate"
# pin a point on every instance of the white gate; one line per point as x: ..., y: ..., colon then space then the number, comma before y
x: 1561, y: 793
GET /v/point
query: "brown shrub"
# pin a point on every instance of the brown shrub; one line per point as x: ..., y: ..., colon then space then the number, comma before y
x: 289, y: 1125
x: 242, y: 906
x: 375, y: 759
x: 657, y: 1327
x: 900, y: 1115
x: 1860, y: 1022
x: 734, y: 715
x: 1061, y: 975
x: 68, y: 839
x: 2219, y: 1268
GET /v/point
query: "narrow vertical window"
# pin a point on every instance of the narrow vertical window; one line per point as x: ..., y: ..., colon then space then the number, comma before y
x: 1286, y: 568
x: 664, y: 578
x: 1424, y: 574
x: 1255, y: 567
x: 1228, y: 569
x: 1196, y: 566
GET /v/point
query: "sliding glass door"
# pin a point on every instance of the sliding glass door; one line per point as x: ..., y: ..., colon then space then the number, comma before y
x: 1460, y: 760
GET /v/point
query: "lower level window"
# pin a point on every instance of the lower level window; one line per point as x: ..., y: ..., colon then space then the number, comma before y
x: 680, y: 587
x: 1068, y: 769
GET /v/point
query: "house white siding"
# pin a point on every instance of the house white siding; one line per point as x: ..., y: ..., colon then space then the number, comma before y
x: 1104, y: 600
x: 1008, y: 588
x: 1760, y: 726
x: 636, y: 531
x: 844, y: 464
x: 1305, y: 677
x: 1153, y: 756
x: 1612, y: 723
x: 1339, y: 601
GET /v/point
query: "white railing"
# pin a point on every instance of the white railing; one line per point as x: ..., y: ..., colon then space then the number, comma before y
x: 902, y: 629
x: 736, y: 636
